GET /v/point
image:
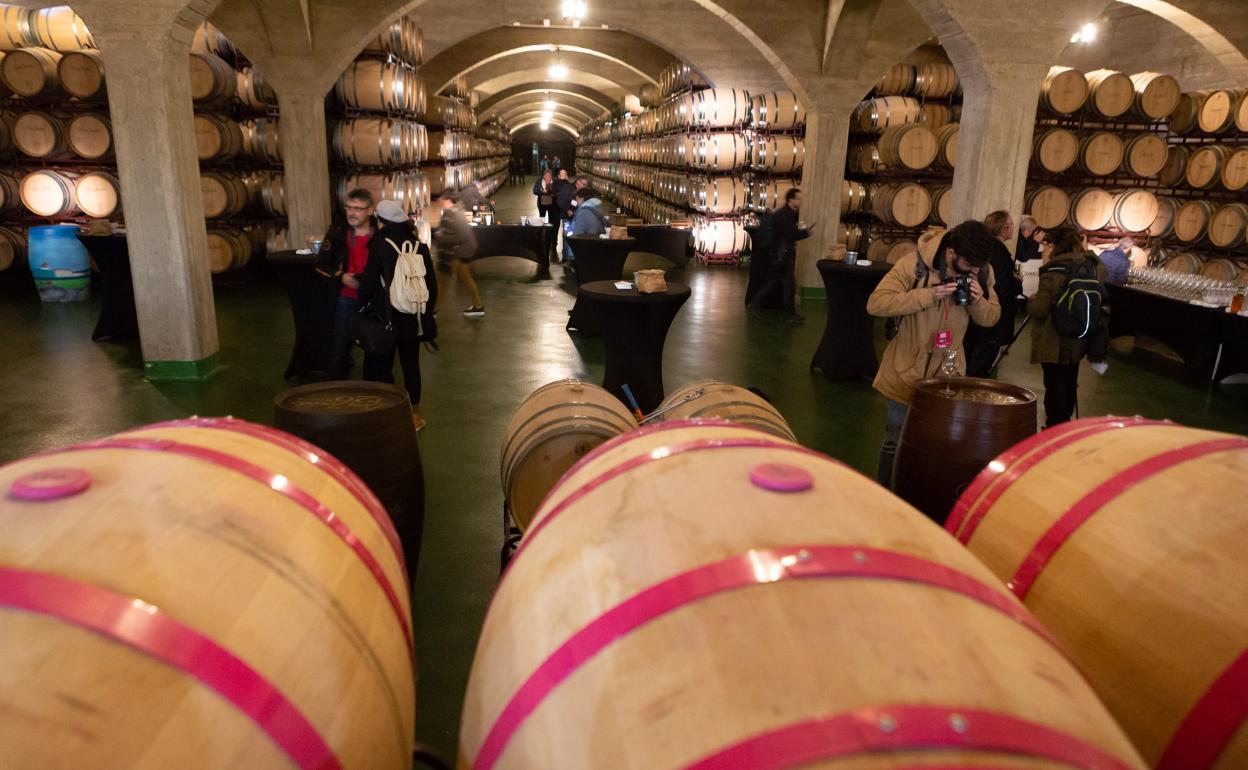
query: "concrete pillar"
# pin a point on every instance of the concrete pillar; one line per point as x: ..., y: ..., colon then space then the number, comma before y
x: 305, y: 158
x: 149, y: 101
x: 827, y: 141
x: 994, y: 144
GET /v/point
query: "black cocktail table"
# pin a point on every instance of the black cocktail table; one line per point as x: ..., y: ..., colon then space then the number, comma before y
x: 531, y: 242
x: 312, y: 299
x: 847, y: 350
x: 119, y: 319
x: 595, y: 259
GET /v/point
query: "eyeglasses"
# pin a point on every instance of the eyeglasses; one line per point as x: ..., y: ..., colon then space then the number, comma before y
x: 358, y: 208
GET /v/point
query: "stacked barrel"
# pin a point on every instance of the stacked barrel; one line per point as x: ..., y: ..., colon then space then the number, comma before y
x: 1118, y: 154
x: 494, y: 141
x: 376, y: 127
x: 903, y: 149
x: 777, y: 148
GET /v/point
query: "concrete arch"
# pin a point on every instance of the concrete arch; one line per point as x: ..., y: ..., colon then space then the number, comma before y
x: 1206, y: 23
x: 584, y: 95
x: 553, y: 50
x: 568, y: 114
x: 535, y: 100
x: 537, y: 78
x: 571, y: 130
x: 622, y: 76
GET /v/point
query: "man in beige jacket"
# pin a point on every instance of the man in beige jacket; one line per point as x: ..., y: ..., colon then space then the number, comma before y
x: 922, y: 294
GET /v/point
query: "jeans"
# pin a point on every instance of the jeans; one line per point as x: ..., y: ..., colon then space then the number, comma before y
x: 380, y: 367
x: 566, y: 226
x: 893, y: 423
x: 340, y: 353
x: 1061, y: 392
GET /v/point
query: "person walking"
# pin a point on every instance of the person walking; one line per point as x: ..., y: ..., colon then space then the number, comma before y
x: 786, y: 231
x: 456, y: 245
x: 343, y: 255
x: 1059, y: 354
x: 400, y: 276
x: 983, y: 343
x: 924, y: 293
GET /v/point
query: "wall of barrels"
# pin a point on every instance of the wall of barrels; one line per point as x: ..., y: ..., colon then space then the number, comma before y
x: 1132, y: 154
x: 706, y: 155
x: 902, y: 153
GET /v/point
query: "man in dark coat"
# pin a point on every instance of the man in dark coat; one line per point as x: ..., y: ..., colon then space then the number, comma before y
x: 1029, y: 237
x: 786, y: 231
x: 983, y: 343
x: 344, y: 252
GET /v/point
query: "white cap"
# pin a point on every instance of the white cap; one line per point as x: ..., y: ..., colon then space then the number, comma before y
x: 391, y: 211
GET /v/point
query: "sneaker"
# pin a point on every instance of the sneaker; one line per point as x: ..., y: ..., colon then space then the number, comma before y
x: 1100, y: 367
x: 475, y: 312
x: 417, y: 418
x: 794, y: 319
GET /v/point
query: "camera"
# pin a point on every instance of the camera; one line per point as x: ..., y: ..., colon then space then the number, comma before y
x: 962, y: 290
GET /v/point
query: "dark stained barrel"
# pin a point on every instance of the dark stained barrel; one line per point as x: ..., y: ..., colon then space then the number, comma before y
x: 949, y: 438
x: 368, y: 426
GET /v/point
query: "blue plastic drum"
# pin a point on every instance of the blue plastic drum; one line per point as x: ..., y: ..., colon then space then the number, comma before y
x: 59, y: 263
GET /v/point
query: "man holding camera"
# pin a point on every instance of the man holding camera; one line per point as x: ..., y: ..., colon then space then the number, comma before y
x: 931, y: 297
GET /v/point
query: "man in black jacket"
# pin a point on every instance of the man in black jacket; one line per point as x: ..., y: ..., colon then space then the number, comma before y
x: 786, y: 231
x: 983, y: 343
x: 343, y: 256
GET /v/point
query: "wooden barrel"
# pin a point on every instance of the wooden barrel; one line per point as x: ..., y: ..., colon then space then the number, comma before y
x: 864, y: 159
x: 224, y: 194
x: 777, y: 111
x: 10, y: 191
x: 906, y: 204
x: 1079, y: 521
x: 1065, y: 90
x: 1156, y: 95
x: 212, y: 79
x: 767, y: 193
x: 1184, y: 262
x: 719, y: 195
x: 910, y: 146
x: 253, y: 90
x: 718, y: 236
x: 853, y: 197
x: 812, y: 661
x: 61, y: 29
x: 228, y: 249
x: 897, y: 81
x: 1186, y: 113
x: 262, y: 139
x: 953, y: 429
x: 558, y: 424
x: 721, y: 108
x: 90, y: 135
x: 942, y: 201
x: 369, y: 141
x: 1220, y: 270
x: 1191, y: 221
x: 272, y: 622
x: 935, y: 80
x: 217, y: 137
x: 1110, y: 93
x: 1175, y: 169
x: 209, y: 39
x: 875, y: 115
x: 1145, y: 154
x: 780, y: 154
x: 712, y: 399
x: 1101, y: 152
x: 947, y: 146
x: 31, y: 72
x: 82, y: 74
x: 273, y: 195
x: 851, y: 236
x: 890, y: 249
x: 1092, y: 208
x: 649, y: 95
x: 48, y: 193
x: 1055, y: 150
x: 98, y: 194
x: 15, y: 31
x: 369, y: 84
x: 1163, y: 224
x: 1049, y: 206
x: 368, y: 426
x: 1135, y: 210
x: 39, y: 134
x: 934, y: 115
x: 721, y: 152
x: 1235, y: 169
x: 1204, y: 166
x: 1218, y: 108
x: 12, y: 248
x: 1226, y: 226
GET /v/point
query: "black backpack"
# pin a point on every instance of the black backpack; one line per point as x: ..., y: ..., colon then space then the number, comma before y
x: 1076, y: 310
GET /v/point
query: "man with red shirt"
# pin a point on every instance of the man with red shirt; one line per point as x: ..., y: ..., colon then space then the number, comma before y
x: 343, y: 257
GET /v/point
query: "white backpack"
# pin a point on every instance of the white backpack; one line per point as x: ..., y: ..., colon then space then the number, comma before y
x: 408, y: 291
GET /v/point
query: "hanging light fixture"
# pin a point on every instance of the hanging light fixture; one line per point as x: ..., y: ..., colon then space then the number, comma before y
x: 574, y: 10
x: 1086, y: 34
x: 558, y: 71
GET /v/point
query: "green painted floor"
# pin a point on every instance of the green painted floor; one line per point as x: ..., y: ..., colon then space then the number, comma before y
x: 58, y: 387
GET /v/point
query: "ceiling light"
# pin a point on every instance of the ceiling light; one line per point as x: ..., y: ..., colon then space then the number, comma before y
x: 558, y: 71
x: 550, y: 105
x: 574, y: 9
x: 1086, y: 34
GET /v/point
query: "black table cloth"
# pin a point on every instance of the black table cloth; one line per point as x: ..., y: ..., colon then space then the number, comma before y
x: 847, y: 350
x: 531, y: 242
x: 119, y: 320
x: 634, y: 328
x: 312, y: 300
x: 1210, y: 341
x: 596, y: 259
x: 664, y: 240
x: 760, y: 265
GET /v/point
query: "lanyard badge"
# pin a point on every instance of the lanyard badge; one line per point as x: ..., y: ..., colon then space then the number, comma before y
x: 942, y: 339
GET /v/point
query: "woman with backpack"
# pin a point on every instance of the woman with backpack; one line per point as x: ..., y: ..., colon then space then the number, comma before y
x: 1066, y: 312
x: 399, y: 281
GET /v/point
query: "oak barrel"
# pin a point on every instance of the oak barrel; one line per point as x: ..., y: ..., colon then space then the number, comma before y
x: 1145, y: 154
x: 777, y: 111
x: 253, y: 90
x: 1184, y: 262
x: 217, y: 592
x: 942, y: 201
x: 217, y: 137
x: 12, y: 247
x: 1135, y: 210
x: 712, y: 399
x: 935, y: 80
x: 1175, y: 169
x: 368, y: 426
x: 875, y: 115
x: 15, y: 31
x: 1050, y: 206
x: 1204, y: 166
x: 10, y: 191
x: 370, y: 142
x: 209, y: 39
x: 262, y: 139
x: 721, y: 152
x: 224, y: 194
x: 718, y: 195
x: 1163, y: 223
x: 1156, y: 95
x: 39, y: 134
x: 910, y: 146
x: 1080, y: 520
x: 90, y: 135
x: 212, y: 79
x: 1235, y: 169
x: 906, y: 204
x: 947, y: 145
x: 718, y: 236
x: 779, y: 154
x: 1055, y: 150
x: 1092, y: 208
x: 1217, y: 110
x: 558, y: 424
x: 1220, y: 270
x: 853, y: 197
x: 1065, y: 90
x: 953, y: 429
x: 1191, y: 221
x: 48, y: 193
x: 31, y: 72
x: 1226, y: 226
x: 767, y: 193
x: 1186, y: 113
x: 721, y: 108
x: 228, y: 249
x: 1110, y: 93
x: 1101, y: 152
x: 897, y: 81
x: 60, y: 29
x: 98, y: 194
x: 369, y: 84
x: 82, y: 74
x: 273, y: 194
x: 664, y: 626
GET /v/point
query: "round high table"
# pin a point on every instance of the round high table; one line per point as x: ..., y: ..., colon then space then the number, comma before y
x: 634, y: 328
x: 847, y: 350
x: 595, y: 259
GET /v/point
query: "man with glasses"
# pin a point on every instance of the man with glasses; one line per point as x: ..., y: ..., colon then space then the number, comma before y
x: 343, y: 256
